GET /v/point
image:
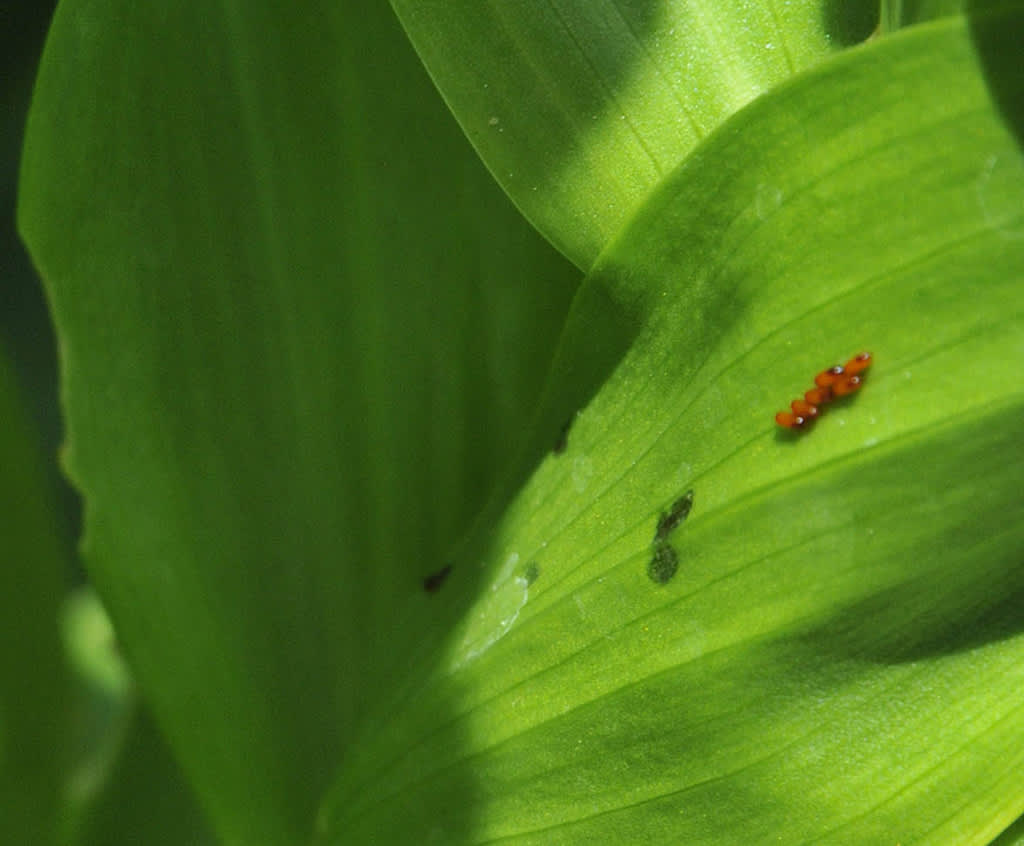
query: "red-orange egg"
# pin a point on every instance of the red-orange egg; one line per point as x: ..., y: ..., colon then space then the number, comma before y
x: 818, y: 396
x: 858, y: 364
x: 802, y: 408
x: 829, y: 377
x: 846, y: 385
x: 790, y: 420
x: 838, y: 381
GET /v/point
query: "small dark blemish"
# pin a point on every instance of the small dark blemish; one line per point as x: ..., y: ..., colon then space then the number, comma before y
x: 563, y: 436
x: 434, y: 581
x: 670, y: 521
x: 531, y: 573
x: 663, y: 564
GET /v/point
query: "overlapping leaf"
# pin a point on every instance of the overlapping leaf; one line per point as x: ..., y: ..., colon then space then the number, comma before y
x: 259, y: 328
x: 581, y: 108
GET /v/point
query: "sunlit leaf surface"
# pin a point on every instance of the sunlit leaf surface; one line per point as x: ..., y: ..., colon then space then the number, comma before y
x: 839, y: 655
x: 581, y: 108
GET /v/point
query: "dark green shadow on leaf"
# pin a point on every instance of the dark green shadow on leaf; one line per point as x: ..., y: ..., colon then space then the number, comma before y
x: 998, y: 49
x: 897, y: 14
x: 849, y: 23
x: 145, y: 799
x: 33, y: 695
x: 1013, y: 836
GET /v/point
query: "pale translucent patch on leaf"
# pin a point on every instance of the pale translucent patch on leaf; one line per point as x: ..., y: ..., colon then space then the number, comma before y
x: 495, y: 612
x: 999, y: 206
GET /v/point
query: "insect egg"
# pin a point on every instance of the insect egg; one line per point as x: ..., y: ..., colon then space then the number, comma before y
x: 803, y: 408
x: 790, y: 420
x: 846, y: 385
x: 818, y: 396
x: 858, y: 364
x: 837, y: 381
x: 827, y: 378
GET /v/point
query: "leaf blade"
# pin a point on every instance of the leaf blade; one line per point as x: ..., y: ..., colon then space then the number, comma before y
x: 579, y: 110
x: 259, y: 276
x: 838, y: 657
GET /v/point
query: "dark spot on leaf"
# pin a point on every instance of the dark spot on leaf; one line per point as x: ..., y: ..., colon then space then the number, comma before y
x: 670, y: 521
x: 434, y: 581
x: 849, y: 22
x: 663, y: 564
x: 563, y: 436
x: 531, y: 573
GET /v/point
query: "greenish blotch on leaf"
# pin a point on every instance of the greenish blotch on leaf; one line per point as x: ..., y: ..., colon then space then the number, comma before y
x: 669, y: 521
x: 665, y: 561
x: 663, y: 564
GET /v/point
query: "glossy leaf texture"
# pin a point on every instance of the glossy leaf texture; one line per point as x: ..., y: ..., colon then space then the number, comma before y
x: 581, y: 108
x: 301, y: 330
x: 839, y: 656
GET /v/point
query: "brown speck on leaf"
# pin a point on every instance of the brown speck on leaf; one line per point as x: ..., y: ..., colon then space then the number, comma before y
x: 433, y: 582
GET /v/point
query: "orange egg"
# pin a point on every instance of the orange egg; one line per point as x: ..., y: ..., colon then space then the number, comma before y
x: 847, y: 385
x: 838, y: 381
x: 802, y: 408
x: 827, y: 378
x: 858, y: 364
x: 818, y: 396
x: 790, y: 420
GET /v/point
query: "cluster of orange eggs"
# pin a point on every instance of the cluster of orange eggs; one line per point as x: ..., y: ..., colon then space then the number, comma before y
x: 834, y: 382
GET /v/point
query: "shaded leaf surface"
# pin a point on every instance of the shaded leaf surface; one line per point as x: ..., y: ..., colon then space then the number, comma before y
x: 33, y: 719
x: 300, y: 331
x: 145, y: 800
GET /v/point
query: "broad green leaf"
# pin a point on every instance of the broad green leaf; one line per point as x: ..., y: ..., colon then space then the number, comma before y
x: 581, y: 108
x: 33, y: 683
x: 301, y: 330
x: 839, y: 657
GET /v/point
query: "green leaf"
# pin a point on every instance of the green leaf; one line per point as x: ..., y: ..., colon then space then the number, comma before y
x: 301, y: 330
x: 899, y: 13
x: 581, y: 109
x: 839, y: 656
x: 123, y: 786
x: 1013, y: 836
x: 145, y: 799
x: 33, y: 726
x: 101, y: 701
